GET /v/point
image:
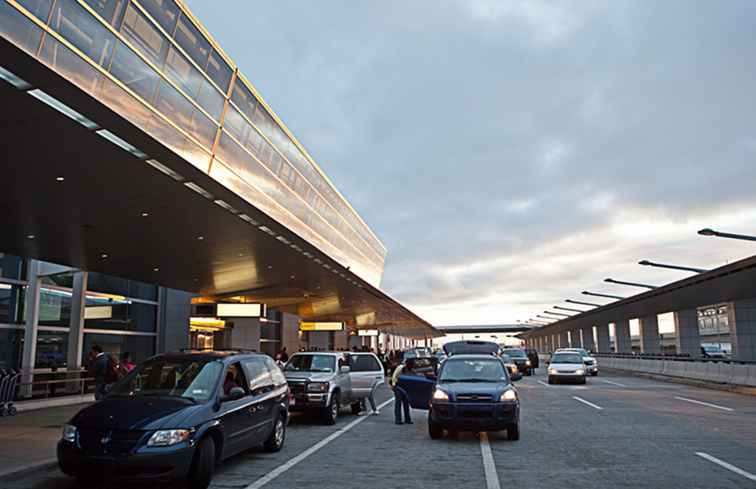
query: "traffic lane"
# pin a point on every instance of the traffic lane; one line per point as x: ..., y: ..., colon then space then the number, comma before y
x: 591, y: 448
x: 302, y: 432
x: 381, y: 455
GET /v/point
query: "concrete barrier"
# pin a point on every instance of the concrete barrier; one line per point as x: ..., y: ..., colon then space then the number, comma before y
x: 740, y: 375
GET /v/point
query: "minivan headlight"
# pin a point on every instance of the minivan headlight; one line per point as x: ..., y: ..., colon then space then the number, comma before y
x: 580, y: 371
x: 508, y: 395
x: 439, y: 395
x: 165, y: 438
x: 552, y: 371
x: 317, y: 387
x: 69, y: 433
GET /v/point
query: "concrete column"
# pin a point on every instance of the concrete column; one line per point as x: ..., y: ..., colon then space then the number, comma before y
x: 687, y: 338
x: 563, y: 340
x: 246, y: 334
x: 76, y: 328
x: 649, y: 334
x: 29, y: 354
x: 743, y: 330
x: 174, y: 311
x: 588, y: 338
x: 602, y: 334
x: 622, y: 336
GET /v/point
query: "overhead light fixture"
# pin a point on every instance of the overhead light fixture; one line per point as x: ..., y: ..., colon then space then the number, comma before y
x: 60, y: 179
x: 30, y: 236
x: 293, y: 277
x: 200, y: 238
x: 145, y: 214
x: 296, y: 248
x: 122, y: 144
x: 62, y: 108
x: 156, y: 269
x: 226, y: 206
x: 245, y: 217
x: 267, y: 230
x: 14, y: 80
x: 199, y: 190
x: 164, y: 169
x: 307, y: 254
x: 283, y: 240
x: 270, y: 267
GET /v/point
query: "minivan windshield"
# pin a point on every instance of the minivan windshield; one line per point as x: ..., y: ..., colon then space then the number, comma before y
x: 187, y: 378
x: 473, y: 371
x: 311, y: 363
x: 567, y: 358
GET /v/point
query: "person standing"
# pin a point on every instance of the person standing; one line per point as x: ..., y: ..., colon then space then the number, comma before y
x: 98, y: 369
x: 126, y: 362
x: 284, y: 355
x: 401, y: 401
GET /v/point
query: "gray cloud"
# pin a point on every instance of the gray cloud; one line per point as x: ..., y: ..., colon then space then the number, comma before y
x: 509, y: 154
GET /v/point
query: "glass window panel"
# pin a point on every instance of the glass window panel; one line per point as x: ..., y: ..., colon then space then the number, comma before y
x: 19, y: 29
x: 192, y: 41
x: 11, y: 303
x: 211, y: 99
x: 174, y: 105
x: 140, y: 347
x: 99, y: 282
x: 144, y: 36
x: 82, y: 30
x: 39, y: 8
x: 181, y: 71
x: 110, y: 10
x: 236, y: 125
x: 165, y: 13
x: 203, y: 129
x: 11, y: 341
x: 54, y: 307
x: 118, y: 315
x: 11, y: 266
x: 219, y: 71
x: 130, y: 69
x: 244, y: 100
x: 52, y: 349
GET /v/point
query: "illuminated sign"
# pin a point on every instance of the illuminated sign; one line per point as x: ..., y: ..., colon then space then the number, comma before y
x: 98, y: 312
x: 367, y: 332
x: 240, y: 310
x: 324, y: 326
x: 206, y: 324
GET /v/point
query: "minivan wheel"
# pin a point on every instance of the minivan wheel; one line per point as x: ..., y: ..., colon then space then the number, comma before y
x: 203, y: 465
x: 275, y: 441
x: 435, y: 430
x: 332, y: 411
x: 513, y: 432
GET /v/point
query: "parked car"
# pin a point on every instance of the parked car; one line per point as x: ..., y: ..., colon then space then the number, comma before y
x: 533, y: 356
x: 591, y: 364
x: 566, y: 365
x: 713, y: 351
x: 520, y: 358
x: 323, y: 382
x: 176, y: 415
x: 470, y: 393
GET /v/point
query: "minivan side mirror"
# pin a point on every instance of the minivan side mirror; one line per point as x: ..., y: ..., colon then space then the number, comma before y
x: 344, y: 369
x: 234, y: 394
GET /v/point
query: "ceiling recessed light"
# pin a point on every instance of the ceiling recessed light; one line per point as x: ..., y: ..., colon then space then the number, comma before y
x: 196, y: 280
x: 59, y: 179
x: 103, y: 255
x: 270, y: 267
x: 156, y: 269
x: 293, y: 277
x: 200, y: 238
x: 241, y: 254
x: 30, y: 236
x: 145, y: 214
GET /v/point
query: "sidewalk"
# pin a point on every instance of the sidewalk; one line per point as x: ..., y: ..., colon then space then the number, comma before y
x: 29, y: 439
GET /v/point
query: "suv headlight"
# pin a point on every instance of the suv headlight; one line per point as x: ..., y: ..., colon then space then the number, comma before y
x: 317, y: 387
x: 69, y: 433
x: 580, y: 371
x: 165, y: 438
x: 439, y: 395
x: 508, y: 395
x: 527, y: 362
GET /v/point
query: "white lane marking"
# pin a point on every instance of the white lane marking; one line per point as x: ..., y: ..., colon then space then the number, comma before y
x: 544, y: 383
x: 727, y: 466
x: 704, y: 403
x: 325, y: 441
x: 587, y: 403
x: 489, y: 467
x: 613, y: 383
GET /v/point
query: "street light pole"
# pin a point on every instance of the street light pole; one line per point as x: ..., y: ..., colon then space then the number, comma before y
x: 631, y: 284
x: 720, y: 234
x: 648, y: 263
x: 595, y: 294
x: 592, y: 304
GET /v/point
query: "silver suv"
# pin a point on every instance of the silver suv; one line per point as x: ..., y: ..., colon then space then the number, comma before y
x: 326, y: 381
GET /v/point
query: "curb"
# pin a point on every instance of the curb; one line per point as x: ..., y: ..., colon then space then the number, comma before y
x: 738, y: 389
x: 26, y: 469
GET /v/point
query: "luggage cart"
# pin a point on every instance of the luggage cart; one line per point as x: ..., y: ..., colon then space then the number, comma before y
x: 8, y: 386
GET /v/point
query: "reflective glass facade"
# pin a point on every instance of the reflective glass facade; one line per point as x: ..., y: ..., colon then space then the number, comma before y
x: 152, y: 63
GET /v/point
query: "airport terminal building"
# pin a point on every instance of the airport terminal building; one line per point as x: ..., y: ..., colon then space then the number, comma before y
x: 153, y: 200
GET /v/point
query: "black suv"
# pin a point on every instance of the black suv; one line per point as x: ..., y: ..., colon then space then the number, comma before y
x: 519, y: 358
x: 177, y: 414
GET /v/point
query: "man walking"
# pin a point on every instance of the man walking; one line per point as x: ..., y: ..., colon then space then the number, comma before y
x: 98, y: 369
x: 401, y: 401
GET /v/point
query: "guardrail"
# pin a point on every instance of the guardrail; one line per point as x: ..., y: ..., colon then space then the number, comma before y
x: 71, y: 383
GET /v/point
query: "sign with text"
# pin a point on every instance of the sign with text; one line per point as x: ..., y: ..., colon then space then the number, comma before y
x: 321, y: 326
x: 367, y: 332
x: 237, y: 310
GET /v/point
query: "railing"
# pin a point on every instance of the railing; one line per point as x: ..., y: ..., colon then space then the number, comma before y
x: 675, y: 357
x: 72, y: 383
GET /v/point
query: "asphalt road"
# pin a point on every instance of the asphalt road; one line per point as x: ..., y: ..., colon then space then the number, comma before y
x: 617, y: 431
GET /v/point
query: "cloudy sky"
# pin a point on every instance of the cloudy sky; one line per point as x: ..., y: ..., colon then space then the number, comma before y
x: 513, y: 153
